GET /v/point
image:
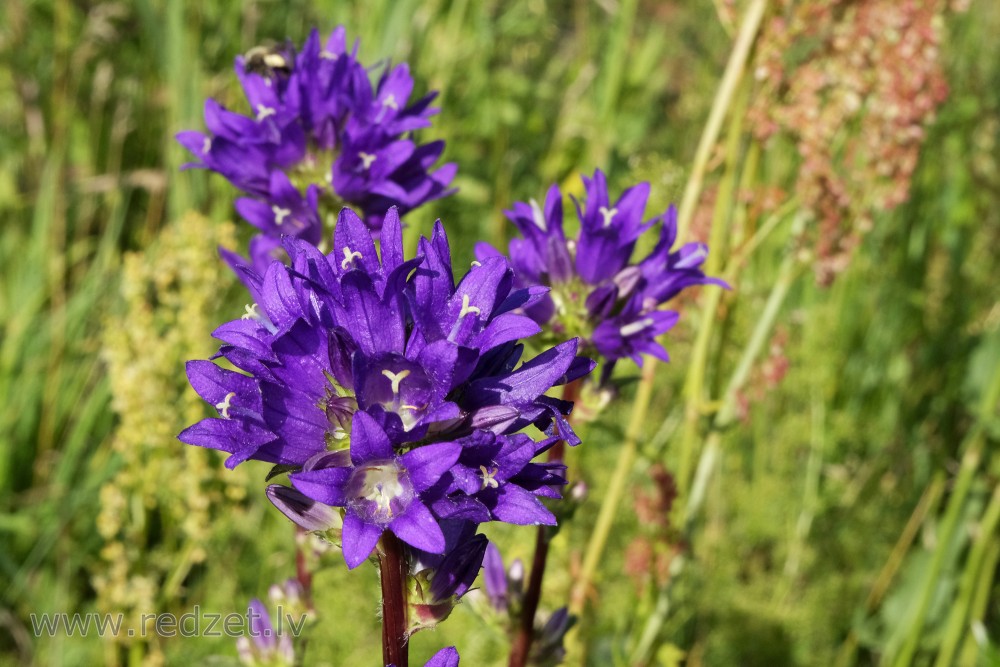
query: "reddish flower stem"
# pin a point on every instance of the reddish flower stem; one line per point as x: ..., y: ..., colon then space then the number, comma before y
x: 392, y: 567
x: 525, y: 632
x: 302, y: 573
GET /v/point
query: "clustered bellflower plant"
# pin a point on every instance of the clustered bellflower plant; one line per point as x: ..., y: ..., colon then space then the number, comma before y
x: 320, y: 137
x: 394, y: 394
x: 614, y: 305
x: 394, y: 397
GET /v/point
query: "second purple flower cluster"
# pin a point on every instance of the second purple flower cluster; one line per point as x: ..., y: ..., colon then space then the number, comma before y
x: 392, y: 393
x: 320, y: 137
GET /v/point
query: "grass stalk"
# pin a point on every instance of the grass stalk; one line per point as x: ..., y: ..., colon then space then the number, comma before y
x: 609, y: 506
x: 694, y: 385
x: 971, y: 648
x: 723, y: 99
x: 949, y: 525
x: 927, y: 504
x: 956, y: 625
x: 964, y: 481
x: 712, y: 452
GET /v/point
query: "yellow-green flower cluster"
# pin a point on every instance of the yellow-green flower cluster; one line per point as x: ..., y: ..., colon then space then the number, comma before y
x: 156, y: 511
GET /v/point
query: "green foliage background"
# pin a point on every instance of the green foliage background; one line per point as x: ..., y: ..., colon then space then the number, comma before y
x: 892, y: 375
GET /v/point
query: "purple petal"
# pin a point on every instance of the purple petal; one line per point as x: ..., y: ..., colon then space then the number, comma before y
x: 368, y: 441
x: 301, y: 509
x: 425, y: 465
x: 326, y: 485
x: 446, y: 657
x: 359, y: 539
x: 418, y: 528
x: 517, y: 506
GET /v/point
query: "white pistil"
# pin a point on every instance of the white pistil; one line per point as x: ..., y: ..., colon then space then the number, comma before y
x: 607, y: 215
x: 349, y: 257
x: 476, y: 262
x: 395, y: 379
x: 223, y: 407
x: 537, y: 216
x: 251, y: 312
x: 636, y: 327
x: 327, y: 55
x: 263, y: 112
x: 206, y: 145
x: 381, y: 486
x: 366, y: 159
x: 466, y: 308
x: 390, y: 102
x: 489, y: 477
x: 280, y: 214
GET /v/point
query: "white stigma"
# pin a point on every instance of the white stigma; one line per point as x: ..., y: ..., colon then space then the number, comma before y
x: 476, y: 262
x: 381, y: 486
x: 327, y: 55
x: 390, y: 102
x: 263, y: 112
x: 466, y: 308
x: 223, y: 407
x: 636, y: 327
x: 395, y: 379
x: 366, y: 159
x: 280, y: 214
x: 537, y: 216
x: 206, y: 145
x: 252, y: 312
x: 349, y: 257
x: 607, y: 215
x: 489, y: 477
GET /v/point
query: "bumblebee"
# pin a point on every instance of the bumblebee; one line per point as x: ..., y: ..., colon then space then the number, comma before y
x: 269, y: 59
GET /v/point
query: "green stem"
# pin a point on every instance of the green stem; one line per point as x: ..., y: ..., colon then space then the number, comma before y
x: 927, y: 504
x: 980, y: 603
x: 955, y: 627
x: 609, y: 505
x: 722, y: 218
x: 723, y: 97
x: 712, y: 452
x: 946, y: 533
x: 973, y: 451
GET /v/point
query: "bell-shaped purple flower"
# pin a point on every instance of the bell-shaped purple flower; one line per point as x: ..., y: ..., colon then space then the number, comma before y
x: 263, y: 644
x: 436, y: 582
x: 320, y: 136
x: 596, y: 293
x: 381, y: 490
x: 446, y: 657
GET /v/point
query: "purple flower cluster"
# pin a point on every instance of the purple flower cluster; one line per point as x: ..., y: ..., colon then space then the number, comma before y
x: 596, y: 293
x: 321, y: 136
x: 392, y: 393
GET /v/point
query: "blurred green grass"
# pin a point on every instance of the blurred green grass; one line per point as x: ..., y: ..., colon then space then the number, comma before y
x: 890, y: 369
